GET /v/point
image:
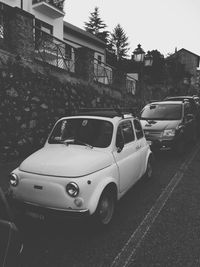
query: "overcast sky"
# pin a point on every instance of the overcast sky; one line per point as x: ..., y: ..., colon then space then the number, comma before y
x: 155, y: 24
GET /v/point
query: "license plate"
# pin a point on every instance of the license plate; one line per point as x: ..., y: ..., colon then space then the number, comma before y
x: 35, y: 215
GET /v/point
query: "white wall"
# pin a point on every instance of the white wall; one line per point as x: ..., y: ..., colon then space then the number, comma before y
x: 12, y: 2
x: 90, y: 44
x: 27, y: 6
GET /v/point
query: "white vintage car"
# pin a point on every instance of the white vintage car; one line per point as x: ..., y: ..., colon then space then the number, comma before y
x: 87, y: 163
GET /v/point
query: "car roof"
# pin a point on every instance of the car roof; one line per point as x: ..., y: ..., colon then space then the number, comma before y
x: 179, y: 97
x: 166, y: 102
x: 105, y: 112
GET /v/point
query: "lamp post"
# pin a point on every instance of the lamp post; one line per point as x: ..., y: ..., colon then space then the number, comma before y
x: 143, y: 61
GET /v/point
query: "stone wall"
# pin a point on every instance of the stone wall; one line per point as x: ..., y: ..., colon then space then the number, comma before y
x: 32, y: 101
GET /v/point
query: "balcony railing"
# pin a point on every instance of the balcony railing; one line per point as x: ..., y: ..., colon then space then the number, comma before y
x: 53, y: 51
x: 55, y: 3
x: 130, y: 85
x: 106, y: 74
x: 102, y: 73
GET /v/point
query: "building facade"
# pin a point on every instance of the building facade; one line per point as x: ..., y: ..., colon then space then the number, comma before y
x: 190, y: 62
x: 48, y: 14
x: 35, y: 29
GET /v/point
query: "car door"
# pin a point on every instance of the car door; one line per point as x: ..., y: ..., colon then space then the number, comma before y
x: 127, y: 159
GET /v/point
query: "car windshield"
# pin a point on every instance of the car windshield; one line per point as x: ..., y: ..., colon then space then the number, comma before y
x: 82, y: 131
x: 162, y: 112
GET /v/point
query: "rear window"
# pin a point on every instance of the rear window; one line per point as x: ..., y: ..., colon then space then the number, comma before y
x: 162, y: 112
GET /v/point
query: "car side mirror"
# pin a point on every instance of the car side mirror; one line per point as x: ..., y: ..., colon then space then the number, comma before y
x: 189, y: 117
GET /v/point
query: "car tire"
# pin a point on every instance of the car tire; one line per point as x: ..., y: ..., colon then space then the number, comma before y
x: 105, y: 209
x: 149, y: 168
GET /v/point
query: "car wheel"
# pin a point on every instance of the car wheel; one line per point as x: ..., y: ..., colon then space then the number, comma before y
x: 149, y: 168
x: 106, y: 207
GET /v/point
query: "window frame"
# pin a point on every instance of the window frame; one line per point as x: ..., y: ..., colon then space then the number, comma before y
x: 141, y: 130
x: 122, y: 132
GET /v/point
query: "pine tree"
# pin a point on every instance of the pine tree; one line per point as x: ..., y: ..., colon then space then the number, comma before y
x: 119, y: 42
x: 96, y: 25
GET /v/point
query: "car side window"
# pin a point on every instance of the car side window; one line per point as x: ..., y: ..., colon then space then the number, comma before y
x: 138, y: 129
x: 126, y: 130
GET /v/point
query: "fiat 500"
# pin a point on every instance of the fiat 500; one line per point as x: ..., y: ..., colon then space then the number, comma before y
x: 86, y: 165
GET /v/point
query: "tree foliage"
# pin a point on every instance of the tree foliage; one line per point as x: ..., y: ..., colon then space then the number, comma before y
x: 157, y: 71
x: 96, y: 26
x: 119, y: 42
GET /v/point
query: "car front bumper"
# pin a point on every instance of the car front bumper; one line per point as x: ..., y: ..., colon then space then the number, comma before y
x: 39, y: 212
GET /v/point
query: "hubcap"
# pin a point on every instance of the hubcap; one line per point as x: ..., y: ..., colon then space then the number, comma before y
x: 106, y: 209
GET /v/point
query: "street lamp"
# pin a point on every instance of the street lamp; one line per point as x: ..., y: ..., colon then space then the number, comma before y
x: 144, y: 61
x: 139, y: 54
x: 148, y: 61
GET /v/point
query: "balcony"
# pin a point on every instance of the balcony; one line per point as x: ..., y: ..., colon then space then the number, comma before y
x: 51, y: 8
x: 53, y: 51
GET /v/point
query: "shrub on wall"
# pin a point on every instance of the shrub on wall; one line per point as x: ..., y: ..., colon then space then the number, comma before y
x: 32, y: 102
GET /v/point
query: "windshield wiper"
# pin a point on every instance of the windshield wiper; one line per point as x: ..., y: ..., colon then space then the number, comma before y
x: 76, y: 141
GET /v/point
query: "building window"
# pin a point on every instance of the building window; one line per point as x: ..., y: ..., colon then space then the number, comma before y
x: 45, y: 27
x: 68, y: 51
x: 99, y: 59
x: 1, y: 26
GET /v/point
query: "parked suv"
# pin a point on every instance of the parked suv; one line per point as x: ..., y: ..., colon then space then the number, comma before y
x: 168, y: 124
x: 89, y: 162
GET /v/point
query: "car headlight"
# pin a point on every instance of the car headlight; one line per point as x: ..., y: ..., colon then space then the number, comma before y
x: 72, y: 189
x: 13, y: 179
x: 169, y: 132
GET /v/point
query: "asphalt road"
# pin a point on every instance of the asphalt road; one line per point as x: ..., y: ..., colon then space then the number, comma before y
x: 75, y: 243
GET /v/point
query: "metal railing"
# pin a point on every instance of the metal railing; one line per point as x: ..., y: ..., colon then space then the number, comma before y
x: 1, y: 25
x: 106, y: 74
x: 102, y: 73
x: 55, y: 3
x: 130, y: 85
x: 54, y: 51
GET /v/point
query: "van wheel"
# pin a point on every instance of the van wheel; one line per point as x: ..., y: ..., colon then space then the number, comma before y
x: 149, y: 168
x: 105, y: 208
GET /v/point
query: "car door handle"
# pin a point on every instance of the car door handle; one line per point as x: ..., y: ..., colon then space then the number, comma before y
x: 138, y: 147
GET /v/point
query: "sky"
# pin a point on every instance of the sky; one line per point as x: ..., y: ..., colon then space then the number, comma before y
x: 155, y: 24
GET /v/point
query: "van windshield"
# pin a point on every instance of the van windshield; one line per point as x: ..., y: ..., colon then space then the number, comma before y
x: 162, y: 112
